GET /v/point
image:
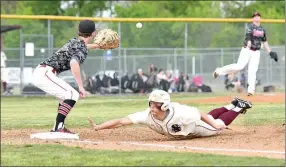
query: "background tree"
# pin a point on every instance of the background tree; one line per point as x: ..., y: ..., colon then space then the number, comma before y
x: 162, y: 34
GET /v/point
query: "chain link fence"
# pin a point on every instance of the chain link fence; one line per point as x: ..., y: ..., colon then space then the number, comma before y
x: 194, y: 48
x: 200, y: 62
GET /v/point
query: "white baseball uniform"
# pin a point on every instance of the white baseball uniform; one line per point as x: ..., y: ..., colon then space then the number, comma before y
x: 45, y: 74
x: 182, y: 122
x: 255, y: 34
x: 45, y: 78
x: 4, y: 72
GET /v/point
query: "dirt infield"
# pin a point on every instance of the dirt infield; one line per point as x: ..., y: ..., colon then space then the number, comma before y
x: 266, y: 141
x: 258, y: 98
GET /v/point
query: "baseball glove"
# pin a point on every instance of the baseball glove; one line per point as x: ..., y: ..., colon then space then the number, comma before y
x: 107, y: 39
x: 274, y: 56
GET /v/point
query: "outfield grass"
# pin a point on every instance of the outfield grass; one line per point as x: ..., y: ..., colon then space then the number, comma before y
x: 31, y: 112
x: 40, y: 112
x: 58, y: 155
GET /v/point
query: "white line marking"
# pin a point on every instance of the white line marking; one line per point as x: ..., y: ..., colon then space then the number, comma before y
x: 180, y: 147
x: 83, y: 141
x: 203, y: 149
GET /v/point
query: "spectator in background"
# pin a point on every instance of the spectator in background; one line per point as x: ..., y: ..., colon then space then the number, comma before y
x: 137, y: 84
x: 232, y: 83
x: 152, y: 69
x: 187, y: 82
x: 114, y: 81
x: 196, y: 84
x: 151, y: 82
x: 171, y: 81
x: 4, y: 73
x: 181, y: 83
x: 197, y: 80
x: 161, y: 76
x: 243, y: 80
x: 162, y: 80
x: 142, y: 75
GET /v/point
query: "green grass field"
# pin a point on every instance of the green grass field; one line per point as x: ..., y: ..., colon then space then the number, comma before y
x: 40, y: 112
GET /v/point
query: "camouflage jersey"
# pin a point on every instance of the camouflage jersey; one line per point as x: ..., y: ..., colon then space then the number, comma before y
x: 255, y: 34
x: 73, y: 49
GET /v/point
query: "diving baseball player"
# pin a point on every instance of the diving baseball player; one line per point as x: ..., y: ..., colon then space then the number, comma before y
x: 250, y: 53
x: 69, y: 57
x: 179, y: 121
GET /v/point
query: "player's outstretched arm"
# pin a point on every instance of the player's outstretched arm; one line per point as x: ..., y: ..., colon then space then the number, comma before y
x: 92, y: 46
x: 111, y: 123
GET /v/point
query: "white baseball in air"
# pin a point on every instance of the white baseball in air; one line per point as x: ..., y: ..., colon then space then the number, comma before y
x: 139, y: 25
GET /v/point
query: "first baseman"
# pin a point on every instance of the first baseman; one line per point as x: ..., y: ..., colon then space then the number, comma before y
x: 179, y: 121
x: 69, y: 57
x: 250, y: 53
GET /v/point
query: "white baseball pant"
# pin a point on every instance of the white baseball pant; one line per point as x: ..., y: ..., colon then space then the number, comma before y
x: 4, y: 74
x: 246, y: 56
x: 44, y: 77
x: 203, y: 129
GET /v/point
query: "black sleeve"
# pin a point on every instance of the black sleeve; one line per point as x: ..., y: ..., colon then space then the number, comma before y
x: 76, y: 52
x: 264, y: 37
x: 248, y: 32
x: 77, y: 57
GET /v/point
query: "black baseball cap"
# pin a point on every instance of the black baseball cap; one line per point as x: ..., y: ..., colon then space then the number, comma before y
x: 86, y: 26
x: 256, y: 14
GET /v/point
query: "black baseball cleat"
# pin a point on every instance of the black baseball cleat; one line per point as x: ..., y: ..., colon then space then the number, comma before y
x: 250, y: 94
x: 63, y: 130
x: 244, y: 105
x: 234, y: 101
x: 215, y: 74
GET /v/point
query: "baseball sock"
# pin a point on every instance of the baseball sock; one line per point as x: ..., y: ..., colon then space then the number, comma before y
x: 218, y: 111
x: 63, y: 110
x: 230, y: 115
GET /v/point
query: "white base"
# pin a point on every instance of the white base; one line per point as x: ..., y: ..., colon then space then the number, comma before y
x: 54, y: 135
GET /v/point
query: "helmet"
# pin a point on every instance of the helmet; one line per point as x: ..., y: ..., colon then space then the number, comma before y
x: 160, y: 96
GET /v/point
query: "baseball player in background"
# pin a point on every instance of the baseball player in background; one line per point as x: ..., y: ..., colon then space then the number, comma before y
x: 69, y: 57
x: 179, y: 121
x: 250, y: 53
x: 4, y: 72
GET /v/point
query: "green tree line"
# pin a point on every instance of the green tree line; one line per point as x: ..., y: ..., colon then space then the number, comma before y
x: 152, y: 34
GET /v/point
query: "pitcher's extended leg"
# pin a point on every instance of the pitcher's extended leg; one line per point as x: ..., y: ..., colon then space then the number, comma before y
x: 241, y: 63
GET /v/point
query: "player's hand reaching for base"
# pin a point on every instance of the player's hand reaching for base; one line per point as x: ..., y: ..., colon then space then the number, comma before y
x: 92, y: 124
x: 82, y: 92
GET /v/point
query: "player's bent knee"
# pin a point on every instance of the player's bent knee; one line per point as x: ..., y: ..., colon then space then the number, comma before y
x: 72, y: 94
x: 211, y: 117
x: 239, y: 67
x: 220, y: 122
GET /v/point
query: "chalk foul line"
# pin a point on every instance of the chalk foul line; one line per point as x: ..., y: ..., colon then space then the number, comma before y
x: 178, y: 147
